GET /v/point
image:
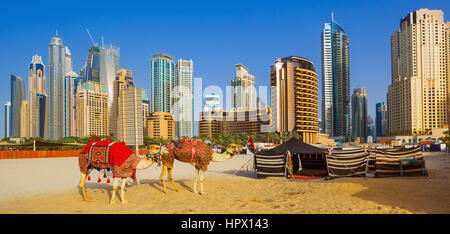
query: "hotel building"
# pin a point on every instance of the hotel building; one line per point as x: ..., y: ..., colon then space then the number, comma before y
x: 417, y: 98
x: 294, y: 97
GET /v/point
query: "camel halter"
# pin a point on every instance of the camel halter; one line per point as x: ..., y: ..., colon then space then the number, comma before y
x: 155, y: 156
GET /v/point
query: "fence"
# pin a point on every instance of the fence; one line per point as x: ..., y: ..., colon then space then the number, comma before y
x: 17, y: 154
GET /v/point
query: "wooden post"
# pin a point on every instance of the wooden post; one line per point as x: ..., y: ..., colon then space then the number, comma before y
x: 34, y: 145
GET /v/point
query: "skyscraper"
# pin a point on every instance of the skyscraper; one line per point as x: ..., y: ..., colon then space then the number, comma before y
x: 25, y: 119
x: 335, y: 80
x: 55, y: 73
x: 381, y: 119
x: 68, y: 60
x: 124, y: 78
x: 69, y: 104
x: 243, y: 92
x: 145, y: 110
x: 36, y: 86
x: 417, y: 97
x: 7, y: 119
x: 183, y: 98
x: 212, y: 102
x: 109, y: 65
x: 92, y: 109
x: 161, y: 82
x: 17, y: 96
x: 91, y: 69
x: 129, y: 121
x: 294, y: 97
x: 359, y: 115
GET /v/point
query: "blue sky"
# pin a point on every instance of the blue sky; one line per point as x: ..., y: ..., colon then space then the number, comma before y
x: 214, y: 34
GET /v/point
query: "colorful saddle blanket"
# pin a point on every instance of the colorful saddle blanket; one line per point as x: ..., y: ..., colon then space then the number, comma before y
x: 99, y: 155
x: 107, y: 152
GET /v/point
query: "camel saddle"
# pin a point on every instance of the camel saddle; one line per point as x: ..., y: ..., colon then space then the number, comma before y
x: 184, y: 145
x: 104, y: 153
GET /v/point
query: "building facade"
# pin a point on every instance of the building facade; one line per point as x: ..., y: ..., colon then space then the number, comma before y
x: 109, y: 65
x: 294, y: 97
x: 212, y: 102
x: 183, y: 99
x: 335, y: 80
x: 359, y: 115
x: 55, y: 74
x: 69, y: 104
x: 224, y: 122
x: 381, y: 119
x: 418, y: 95
x: 7, y: 119
x: 161, y: 82
x: 243, y: 91
x: 124, y: 79
x: 145, y: 110
x: 36, y: 88
x: 92, y: 109
x: 25, y: 119
x: 17, y: 97
x: 161, y: 124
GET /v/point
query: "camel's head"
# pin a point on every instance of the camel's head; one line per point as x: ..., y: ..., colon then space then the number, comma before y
x: 154, y: 149
x: 234, y: 148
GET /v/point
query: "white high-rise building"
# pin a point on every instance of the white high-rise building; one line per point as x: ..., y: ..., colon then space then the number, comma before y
x: 243, y: 92
x: 183, y: 99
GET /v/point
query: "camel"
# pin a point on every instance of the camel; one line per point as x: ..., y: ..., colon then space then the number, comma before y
x: 203, y: 154
x: 126, y: 169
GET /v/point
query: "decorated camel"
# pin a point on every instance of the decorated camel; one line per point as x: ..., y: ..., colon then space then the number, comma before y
x: 197, y: 153
x: 110, y: 156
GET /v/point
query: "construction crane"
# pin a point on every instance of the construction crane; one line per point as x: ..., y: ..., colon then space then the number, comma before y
x: 93, y: 42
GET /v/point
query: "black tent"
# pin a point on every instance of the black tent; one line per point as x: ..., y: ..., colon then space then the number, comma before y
x: 272, y: 162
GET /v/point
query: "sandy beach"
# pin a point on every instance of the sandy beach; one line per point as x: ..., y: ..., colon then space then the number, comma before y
x: 41, y: 186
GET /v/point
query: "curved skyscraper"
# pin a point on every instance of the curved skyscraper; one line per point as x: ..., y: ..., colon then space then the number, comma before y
x: 55, y: 73
x: 17, y: 96
x: 294, y: 97
x: 335, y: 80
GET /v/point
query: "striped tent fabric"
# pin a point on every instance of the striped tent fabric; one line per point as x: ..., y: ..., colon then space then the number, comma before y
x: 399, y: 162
x: 342, y: 163
x: 273, y: 165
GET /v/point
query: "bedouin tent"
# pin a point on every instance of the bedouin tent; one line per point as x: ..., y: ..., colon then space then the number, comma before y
x: 292, y: 154
x: 401, y: 162
x: 347, y: 162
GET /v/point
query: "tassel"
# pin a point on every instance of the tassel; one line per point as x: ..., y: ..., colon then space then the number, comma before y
x: 99, y: 180
x: 89, y: 178
x: 108, y: 181
x: 104, y: 175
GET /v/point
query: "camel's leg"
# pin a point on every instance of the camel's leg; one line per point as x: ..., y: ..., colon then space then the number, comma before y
x: 163, y: 173
x: 196, y: 179
x: 115, y: 187
x: 122, y: 190
x: 170, y: 178
x: 201, y: 182
x: 83, y: 186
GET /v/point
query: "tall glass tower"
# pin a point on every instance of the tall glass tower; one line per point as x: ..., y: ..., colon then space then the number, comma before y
x: 183, y: 109
x: 55, y: 73
x: 17, y: 96
x: 359, y: 112
x: 335, y: 80
x: 162, y: 79
x: 109, y: 65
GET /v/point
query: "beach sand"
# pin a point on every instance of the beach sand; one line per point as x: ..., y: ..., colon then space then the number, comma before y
x: 51, y: 186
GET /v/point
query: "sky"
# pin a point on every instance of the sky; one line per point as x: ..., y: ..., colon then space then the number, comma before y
x: 216, y: 35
